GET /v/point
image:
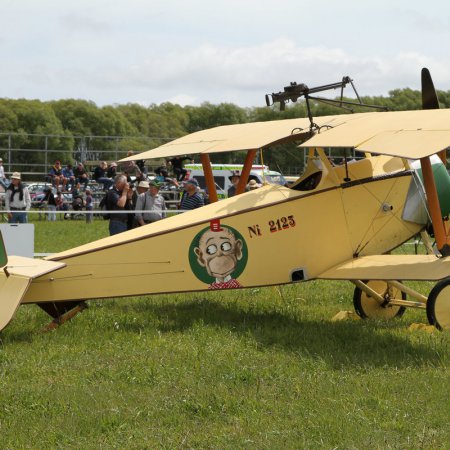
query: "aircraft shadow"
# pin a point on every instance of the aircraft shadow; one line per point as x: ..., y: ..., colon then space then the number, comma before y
x: 361, y: 344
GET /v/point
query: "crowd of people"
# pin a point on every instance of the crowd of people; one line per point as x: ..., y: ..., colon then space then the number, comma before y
x: 129, y: 205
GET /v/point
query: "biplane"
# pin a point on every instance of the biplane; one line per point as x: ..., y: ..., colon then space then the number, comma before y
x: 336, y: 222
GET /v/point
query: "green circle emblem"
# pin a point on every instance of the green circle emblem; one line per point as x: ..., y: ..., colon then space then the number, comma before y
x: 200, y: 272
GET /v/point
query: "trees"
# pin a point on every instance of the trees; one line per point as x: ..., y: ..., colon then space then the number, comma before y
x: 78, y: 129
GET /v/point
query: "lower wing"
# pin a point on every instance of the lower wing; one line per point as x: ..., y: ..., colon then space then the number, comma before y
x: 390, y: 267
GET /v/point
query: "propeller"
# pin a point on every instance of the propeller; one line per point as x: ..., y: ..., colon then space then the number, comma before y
x: 430, y: 100
x: 429, y: 96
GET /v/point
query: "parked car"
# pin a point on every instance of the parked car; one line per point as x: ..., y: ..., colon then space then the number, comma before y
x: 36, y: 189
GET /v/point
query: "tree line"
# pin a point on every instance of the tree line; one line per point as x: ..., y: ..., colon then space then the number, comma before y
x: 66, y: 122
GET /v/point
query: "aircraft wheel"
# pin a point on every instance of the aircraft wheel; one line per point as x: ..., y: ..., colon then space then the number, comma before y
x: 438, y: 305
x: 369, y: 308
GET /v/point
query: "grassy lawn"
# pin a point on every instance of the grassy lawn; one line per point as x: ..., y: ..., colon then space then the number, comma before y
x: 254, y: 369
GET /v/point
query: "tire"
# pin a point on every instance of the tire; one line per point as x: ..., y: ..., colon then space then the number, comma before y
x: 369, y: 308
x: 438, y: 305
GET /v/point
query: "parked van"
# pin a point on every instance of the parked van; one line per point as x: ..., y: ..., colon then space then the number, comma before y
x: 222, y: 173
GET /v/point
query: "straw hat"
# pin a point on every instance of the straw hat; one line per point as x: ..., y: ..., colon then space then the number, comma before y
x: 252, y: 184
x: 16, y: 176
x: 143, y: 184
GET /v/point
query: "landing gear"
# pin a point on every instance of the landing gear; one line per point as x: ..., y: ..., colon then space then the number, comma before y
x: 438, y: 305
x: 368, y: 306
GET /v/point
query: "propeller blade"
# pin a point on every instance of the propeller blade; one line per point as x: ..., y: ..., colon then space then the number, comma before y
x: 429, y: 96
x: 430, y: 101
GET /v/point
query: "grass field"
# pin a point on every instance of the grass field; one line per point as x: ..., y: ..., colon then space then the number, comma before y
x: 249, y: 369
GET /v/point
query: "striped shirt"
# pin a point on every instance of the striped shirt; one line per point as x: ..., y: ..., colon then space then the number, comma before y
x: 192, y: 202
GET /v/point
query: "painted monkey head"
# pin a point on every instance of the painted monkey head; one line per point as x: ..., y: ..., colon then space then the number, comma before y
x: 219, y: 252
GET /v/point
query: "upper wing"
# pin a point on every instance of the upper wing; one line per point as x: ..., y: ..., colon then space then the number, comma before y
x: 246, y: 136
x: 407, y: 134
x: 390, y: 267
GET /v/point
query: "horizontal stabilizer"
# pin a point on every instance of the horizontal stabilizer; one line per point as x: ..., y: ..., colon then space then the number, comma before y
x: 15, y: 279
x: 31, y: 268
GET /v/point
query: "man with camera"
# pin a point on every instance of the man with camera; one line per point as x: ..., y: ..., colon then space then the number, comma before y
x: 117, y: 202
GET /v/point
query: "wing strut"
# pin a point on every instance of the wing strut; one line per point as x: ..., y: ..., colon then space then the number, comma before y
x: 246, y: 171
x: 209, y: 177
x: 434, y: 207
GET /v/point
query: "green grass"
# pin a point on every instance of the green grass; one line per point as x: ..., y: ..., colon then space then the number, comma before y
x: 251, y: 369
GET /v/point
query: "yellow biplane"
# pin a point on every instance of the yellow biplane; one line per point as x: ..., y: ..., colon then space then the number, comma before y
x: 334, y: 223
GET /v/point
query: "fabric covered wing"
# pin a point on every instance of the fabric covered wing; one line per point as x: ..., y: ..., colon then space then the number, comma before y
x: 390, y: 267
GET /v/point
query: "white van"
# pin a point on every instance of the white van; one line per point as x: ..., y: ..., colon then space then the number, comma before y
x: 222, y: 172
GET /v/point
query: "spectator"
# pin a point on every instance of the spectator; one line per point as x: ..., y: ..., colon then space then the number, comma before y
x: 141, y: 165
x: 177, y: 165
x: 130, y: 168
x: 100, y: 176
x: 142, y: 188
x: 3, y: 180
x: 118, y: 199
x: 61, y: 205
x: 89, y: 206
x: 81, y: 175
x: 17, y: 200
x: 76, y: 191
x: 152, y: 203
x: 69, y: 176
x: 132, y: 199
x: 49, y: 198
x: 56, y: 175
x: 234, y: 178
x: 163, y: 175
x: 112, y: 170
x: 191, y: 198
x: 252, y: 185
x: 77, y: 199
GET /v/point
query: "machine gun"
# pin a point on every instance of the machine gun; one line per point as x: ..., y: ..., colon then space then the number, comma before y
x: 295, y: 91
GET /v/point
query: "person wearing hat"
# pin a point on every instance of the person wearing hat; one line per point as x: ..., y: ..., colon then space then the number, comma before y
x: 3, y: 180
x: 150, y: 205
x: 191, y: 198
x: 252, y: 185
x: 234, y: 178
x: 17, y: 200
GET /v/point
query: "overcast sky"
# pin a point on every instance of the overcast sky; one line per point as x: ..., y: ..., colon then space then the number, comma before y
x: 192, y: 51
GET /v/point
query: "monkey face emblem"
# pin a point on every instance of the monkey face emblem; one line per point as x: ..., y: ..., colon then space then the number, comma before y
x: 220, y: 251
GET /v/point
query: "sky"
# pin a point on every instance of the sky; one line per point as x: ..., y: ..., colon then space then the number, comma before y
x: 194, y: 51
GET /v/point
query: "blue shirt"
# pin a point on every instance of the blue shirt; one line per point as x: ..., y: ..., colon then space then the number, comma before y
x: 195, y: 201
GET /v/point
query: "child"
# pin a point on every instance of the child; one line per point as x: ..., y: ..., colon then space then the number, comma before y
x: 89, y: 206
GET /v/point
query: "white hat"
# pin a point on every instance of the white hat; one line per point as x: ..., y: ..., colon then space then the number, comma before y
x: 16, y: 176
x: 143, y: 184
x: 252, y: 184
